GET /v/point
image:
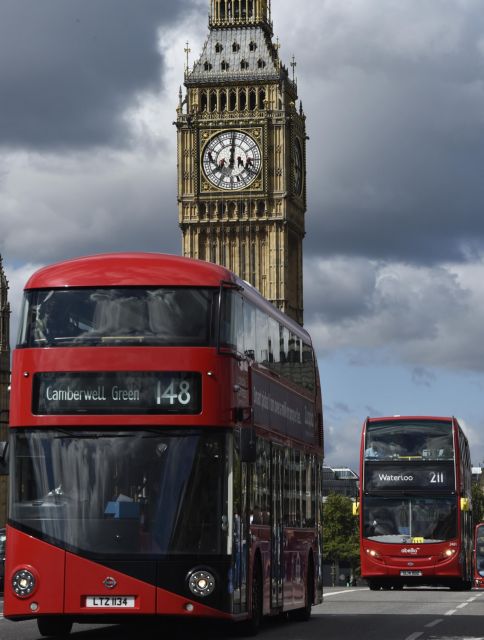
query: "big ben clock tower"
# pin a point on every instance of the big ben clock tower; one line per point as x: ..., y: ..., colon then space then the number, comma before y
x: 241, y: 155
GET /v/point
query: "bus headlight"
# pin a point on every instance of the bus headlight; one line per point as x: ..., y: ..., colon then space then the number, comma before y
x: 448, y: 553
x: 23, y: 583
x: 201, y: 583
x: 372, y: 553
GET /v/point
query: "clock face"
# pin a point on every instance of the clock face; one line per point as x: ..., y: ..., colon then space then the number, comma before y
x: 298, y: 168
x: 231, y: 160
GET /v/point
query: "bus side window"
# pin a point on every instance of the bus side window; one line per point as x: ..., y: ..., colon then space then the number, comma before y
x: 231, y: 321
x: 262, y: 338
x: 248, y: 330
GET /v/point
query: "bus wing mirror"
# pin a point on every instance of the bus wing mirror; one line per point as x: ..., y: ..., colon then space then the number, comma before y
x: 248, y: 444
x: 3, y: 458
x: 465, y: 504
x: 356, y: 508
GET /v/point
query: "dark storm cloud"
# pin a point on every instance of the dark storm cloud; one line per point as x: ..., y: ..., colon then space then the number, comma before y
x: 70, y: 68
x: 394, y: 97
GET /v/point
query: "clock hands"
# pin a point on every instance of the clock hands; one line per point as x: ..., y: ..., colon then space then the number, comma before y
x: 232, y: 152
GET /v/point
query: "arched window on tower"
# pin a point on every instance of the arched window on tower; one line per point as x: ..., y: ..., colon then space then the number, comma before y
x: 242, y: 99
x: 252, y: 273
x: 213, y: 100
x: 224, y: 65
x: 262, y: 98
x: 261, y: 63
x: 252, y: 99
x: 207, y: 66
x: 223, y: 100
x: 204, y: 101
x: 235, y: 47
x: 232, y: 99
x: 218, y: 48
x: 244, y: 65
x: 202, y: 246
x: 252, y: 46
x: 242, y: 260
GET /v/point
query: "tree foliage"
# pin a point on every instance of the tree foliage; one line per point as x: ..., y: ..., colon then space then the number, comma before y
x: 340, y: 531
x: 477, y: 503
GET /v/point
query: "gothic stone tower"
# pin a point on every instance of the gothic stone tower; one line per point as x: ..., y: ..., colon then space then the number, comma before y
x: 4, y: 381
x: 241, y: 155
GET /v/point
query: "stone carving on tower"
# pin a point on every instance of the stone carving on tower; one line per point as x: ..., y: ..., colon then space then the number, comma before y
x: 241, y: 155
x: 4, y: 381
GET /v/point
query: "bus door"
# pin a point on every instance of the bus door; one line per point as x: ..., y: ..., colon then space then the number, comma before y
x: 277, y: 570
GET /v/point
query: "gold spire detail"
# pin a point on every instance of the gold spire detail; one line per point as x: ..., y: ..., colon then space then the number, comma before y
x: 239, y: 12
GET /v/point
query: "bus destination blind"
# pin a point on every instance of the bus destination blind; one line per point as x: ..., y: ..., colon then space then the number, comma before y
x: 411, y: 477
x: 123, y: 392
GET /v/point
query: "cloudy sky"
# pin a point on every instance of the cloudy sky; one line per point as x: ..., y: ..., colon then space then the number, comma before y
x: 394, y: 255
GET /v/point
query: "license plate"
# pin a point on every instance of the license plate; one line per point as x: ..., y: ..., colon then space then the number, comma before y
x: 110, y: 602
x: 411, y: 573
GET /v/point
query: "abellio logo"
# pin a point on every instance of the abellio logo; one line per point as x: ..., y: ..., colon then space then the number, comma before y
x: 411, y: 550
x: 390, y: 477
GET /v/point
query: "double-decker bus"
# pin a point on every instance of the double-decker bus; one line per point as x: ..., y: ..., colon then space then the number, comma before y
x: 415, y: 500
x: 165, y: 448
x: 479, y: 556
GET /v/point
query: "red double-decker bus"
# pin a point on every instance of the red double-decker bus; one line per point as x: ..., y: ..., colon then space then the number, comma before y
x: 415, y: 503
x: 165, y: 447
x: 479, y: 556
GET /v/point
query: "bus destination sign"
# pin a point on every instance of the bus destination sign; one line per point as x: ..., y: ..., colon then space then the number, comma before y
x: 121, y: 392
x: 411, y: 477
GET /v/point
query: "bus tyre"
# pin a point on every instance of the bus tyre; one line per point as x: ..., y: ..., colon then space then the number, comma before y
x: 251, y: 627
x: 303, y: 615
x: 462, y: 585
x: 374, y: 585
x: 54, y: 626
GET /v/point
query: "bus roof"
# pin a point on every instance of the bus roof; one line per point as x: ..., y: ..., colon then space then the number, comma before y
x: 149, y: 269
x: 410, y: 418
x: 130, y: 269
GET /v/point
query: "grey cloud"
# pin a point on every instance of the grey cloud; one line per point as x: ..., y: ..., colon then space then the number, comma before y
x: 339, y: 288
x: 422, y: 376
x: 82, y: 210
x: 394, y: 97
x: 70, y: 69
x: 421, y: 316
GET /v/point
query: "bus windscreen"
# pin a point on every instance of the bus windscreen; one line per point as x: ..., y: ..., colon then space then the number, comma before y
x: 117, y: 316
x: 407, y: 519
x: 137, y: 492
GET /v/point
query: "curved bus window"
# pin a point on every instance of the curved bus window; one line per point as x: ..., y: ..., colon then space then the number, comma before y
x: 409, y: 441
x: 138, y: 491
x: 107, y: 316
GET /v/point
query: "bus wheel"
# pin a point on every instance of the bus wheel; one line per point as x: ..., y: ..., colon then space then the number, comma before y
x: 54, y: 626
x: 374, y: 585
x: 251, y: 627
x: 302, y: 615
x: 461, y: 585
